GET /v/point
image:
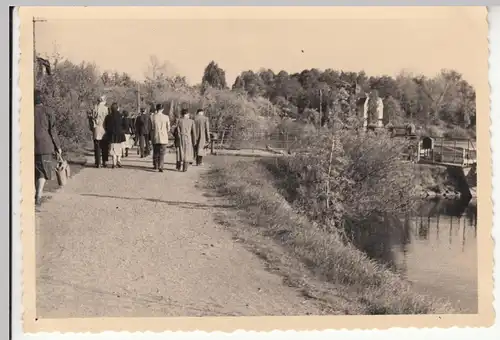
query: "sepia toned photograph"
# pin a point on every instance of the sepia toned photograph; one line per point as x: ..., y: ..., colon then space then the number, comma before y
x: 232, y: 166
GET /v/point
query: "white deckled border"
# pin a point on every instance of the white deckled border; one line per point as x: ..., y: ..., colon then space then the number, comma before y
x: 455, y: 333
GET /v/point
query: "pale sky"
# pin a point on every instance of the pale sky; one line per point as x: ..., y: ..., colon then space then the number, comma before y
x: 421, y: 45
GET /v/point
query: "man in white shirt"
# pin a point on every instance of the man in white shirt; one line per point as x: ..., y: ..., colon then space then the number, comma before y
x: 100, y: 146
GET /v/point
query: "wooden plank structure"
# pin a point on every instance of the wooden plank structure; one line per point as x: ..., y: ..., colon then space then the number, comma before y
x: 448, y: 152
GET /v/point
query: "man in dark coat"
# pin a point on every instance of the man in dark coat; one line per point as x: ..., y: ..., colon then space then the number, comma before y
x: 202, y: 132
x: 46, y: 142
x: 115, y: 136
x: 142, y: 130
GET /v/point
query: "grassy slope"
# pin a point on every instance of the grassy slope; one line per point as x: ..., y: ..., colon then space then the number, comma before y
x: 350, y: 282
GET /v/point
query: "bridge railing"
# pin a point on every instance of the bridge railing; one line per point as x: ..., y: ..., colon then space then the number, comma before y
x: 451, y: 151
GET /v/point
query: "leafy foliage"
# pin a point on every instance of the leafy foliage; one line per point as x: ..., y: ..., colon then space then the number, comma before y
x: 214, y: 76
x: 259, y: 100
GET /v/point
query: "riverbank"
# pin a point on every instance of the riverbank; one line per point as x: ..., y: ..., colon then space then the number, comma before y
x: 435, y: 182
x: 365, y: 286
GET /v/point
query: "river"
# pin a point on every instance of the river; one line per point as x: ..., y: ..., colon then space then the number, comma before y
x: 434, y: 248
x: 440, y: 254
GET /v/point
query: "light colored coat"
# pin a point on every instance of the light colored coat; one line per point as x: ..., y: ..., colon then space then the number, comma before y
x: 186, y: 137
x: 202, y: 132
x: 98, y: 115
x: 160, y: 126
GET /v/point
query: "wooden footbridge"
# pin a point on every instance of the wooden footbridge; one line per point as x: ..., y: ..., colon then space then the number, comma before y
x: 447, y: 152
x: 459, y: 156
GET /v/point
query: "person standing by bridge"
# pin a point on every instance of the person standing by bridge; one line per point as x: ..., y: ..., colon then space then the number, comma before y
x: 202, y: 132
x: 46, y: 142
x: 100, y: 146
x: 160, y: 127
x: 185, y: 139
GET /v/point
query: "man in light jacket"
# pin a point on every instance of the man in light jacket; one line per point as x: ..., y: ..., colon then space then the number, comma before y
x: 100, y: 145
x: 160, y: 126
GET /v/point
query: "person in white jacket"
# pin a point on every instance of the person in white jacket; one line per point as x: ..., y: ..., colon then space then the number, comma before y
x: 160, y: 127
x: 100, y: 145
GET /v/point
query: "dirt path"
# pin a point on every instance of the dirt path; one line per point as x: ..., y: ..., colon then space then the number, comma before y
x: 133, y: 242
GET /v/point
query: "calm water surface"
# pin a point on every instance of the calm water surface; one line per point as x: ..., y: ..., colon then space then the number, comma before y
x: 434, y: 248
x: 440, y: 254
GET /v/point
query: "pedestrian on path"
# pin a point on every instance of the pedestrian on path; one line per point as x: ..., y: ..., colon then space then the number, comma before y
x: 202, y: 132
x: 46, y: 142
x: 160, y: 127
x: 142, y: 130
x: 127, y: 129
x: 185, y: 134
x: 114, y: 135
x: 99, y: 113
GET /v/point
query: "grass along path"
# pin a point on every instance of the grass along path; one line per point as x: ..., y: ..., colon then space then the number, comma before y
x: 315, y: 260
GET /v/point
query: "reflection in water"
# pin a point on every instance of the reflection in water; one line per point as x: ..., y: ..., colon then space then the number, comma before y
x: 434, y: 248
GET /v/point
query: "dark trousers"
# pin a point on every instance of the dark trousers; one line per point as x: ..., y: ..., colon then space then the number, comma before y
x: 198, y: 159
x: 159, y: 155
x: 144, y: 145
x: 100, y: 152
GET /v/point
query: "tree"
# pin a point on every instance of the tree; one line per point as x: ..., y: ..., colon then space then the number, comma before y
x: 239, y: 84
x: 214, y: 76
x: 392, y: 111
x: 372, y: 107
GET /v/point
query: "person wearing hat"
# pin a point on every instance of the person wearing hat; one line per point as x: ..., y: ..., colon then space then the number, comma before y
x: 185, y: 135
x: 115, y: 135
x: 160, y: 126
x: 202, y: 130
x: 100, y: 145
x: 46, y: 142
x: 142, y: 130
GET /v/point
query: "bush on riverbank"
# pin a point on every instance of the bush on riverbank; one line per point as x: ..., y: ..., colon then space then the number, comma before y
x: 251, y: 187
x: 357, y: 175
x: 434, y: 179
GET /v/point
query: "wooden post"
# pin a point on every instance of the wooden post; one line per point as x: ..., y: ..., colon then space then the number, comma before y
x: 454, y: 150
x: 253, y: 140
x: 138, y: 98
x: 442, y: 149
x: 320, y: 107
x: 34, y: 53
x: 35, y: 63
x: 419, y: 147
x: 329, y: 170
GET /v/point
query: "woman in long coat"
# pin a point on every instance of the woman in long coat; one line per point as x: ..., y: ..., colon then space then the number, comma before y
x: 115, y: 136
x: 184, y: 140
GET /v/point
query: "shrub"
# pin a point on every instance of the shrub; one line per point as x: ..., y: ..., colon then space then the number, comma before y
x: 70, y: 92
x: 359, y: 177
x: 457, y: 132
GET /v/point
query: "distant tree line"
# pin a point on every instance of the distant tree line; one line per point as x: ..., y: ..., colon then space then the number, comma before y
x: 438, y: 104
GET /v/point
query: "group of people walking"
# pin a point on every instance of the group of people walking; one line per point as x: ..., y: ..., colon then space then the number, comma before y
x: 114, y: 133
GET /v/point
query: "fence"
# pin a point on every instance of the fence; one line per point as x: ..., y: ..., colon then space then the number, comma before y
x: 452, y: 151
x: 252, y: 139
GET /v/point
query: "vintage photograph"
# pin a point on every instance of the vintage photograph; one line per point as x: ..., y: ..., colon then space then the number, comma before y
x: 212, y: 167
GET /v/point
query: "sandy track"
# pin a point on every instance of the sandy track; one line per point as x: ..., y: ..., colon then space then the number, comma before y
x: 133, y: 242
